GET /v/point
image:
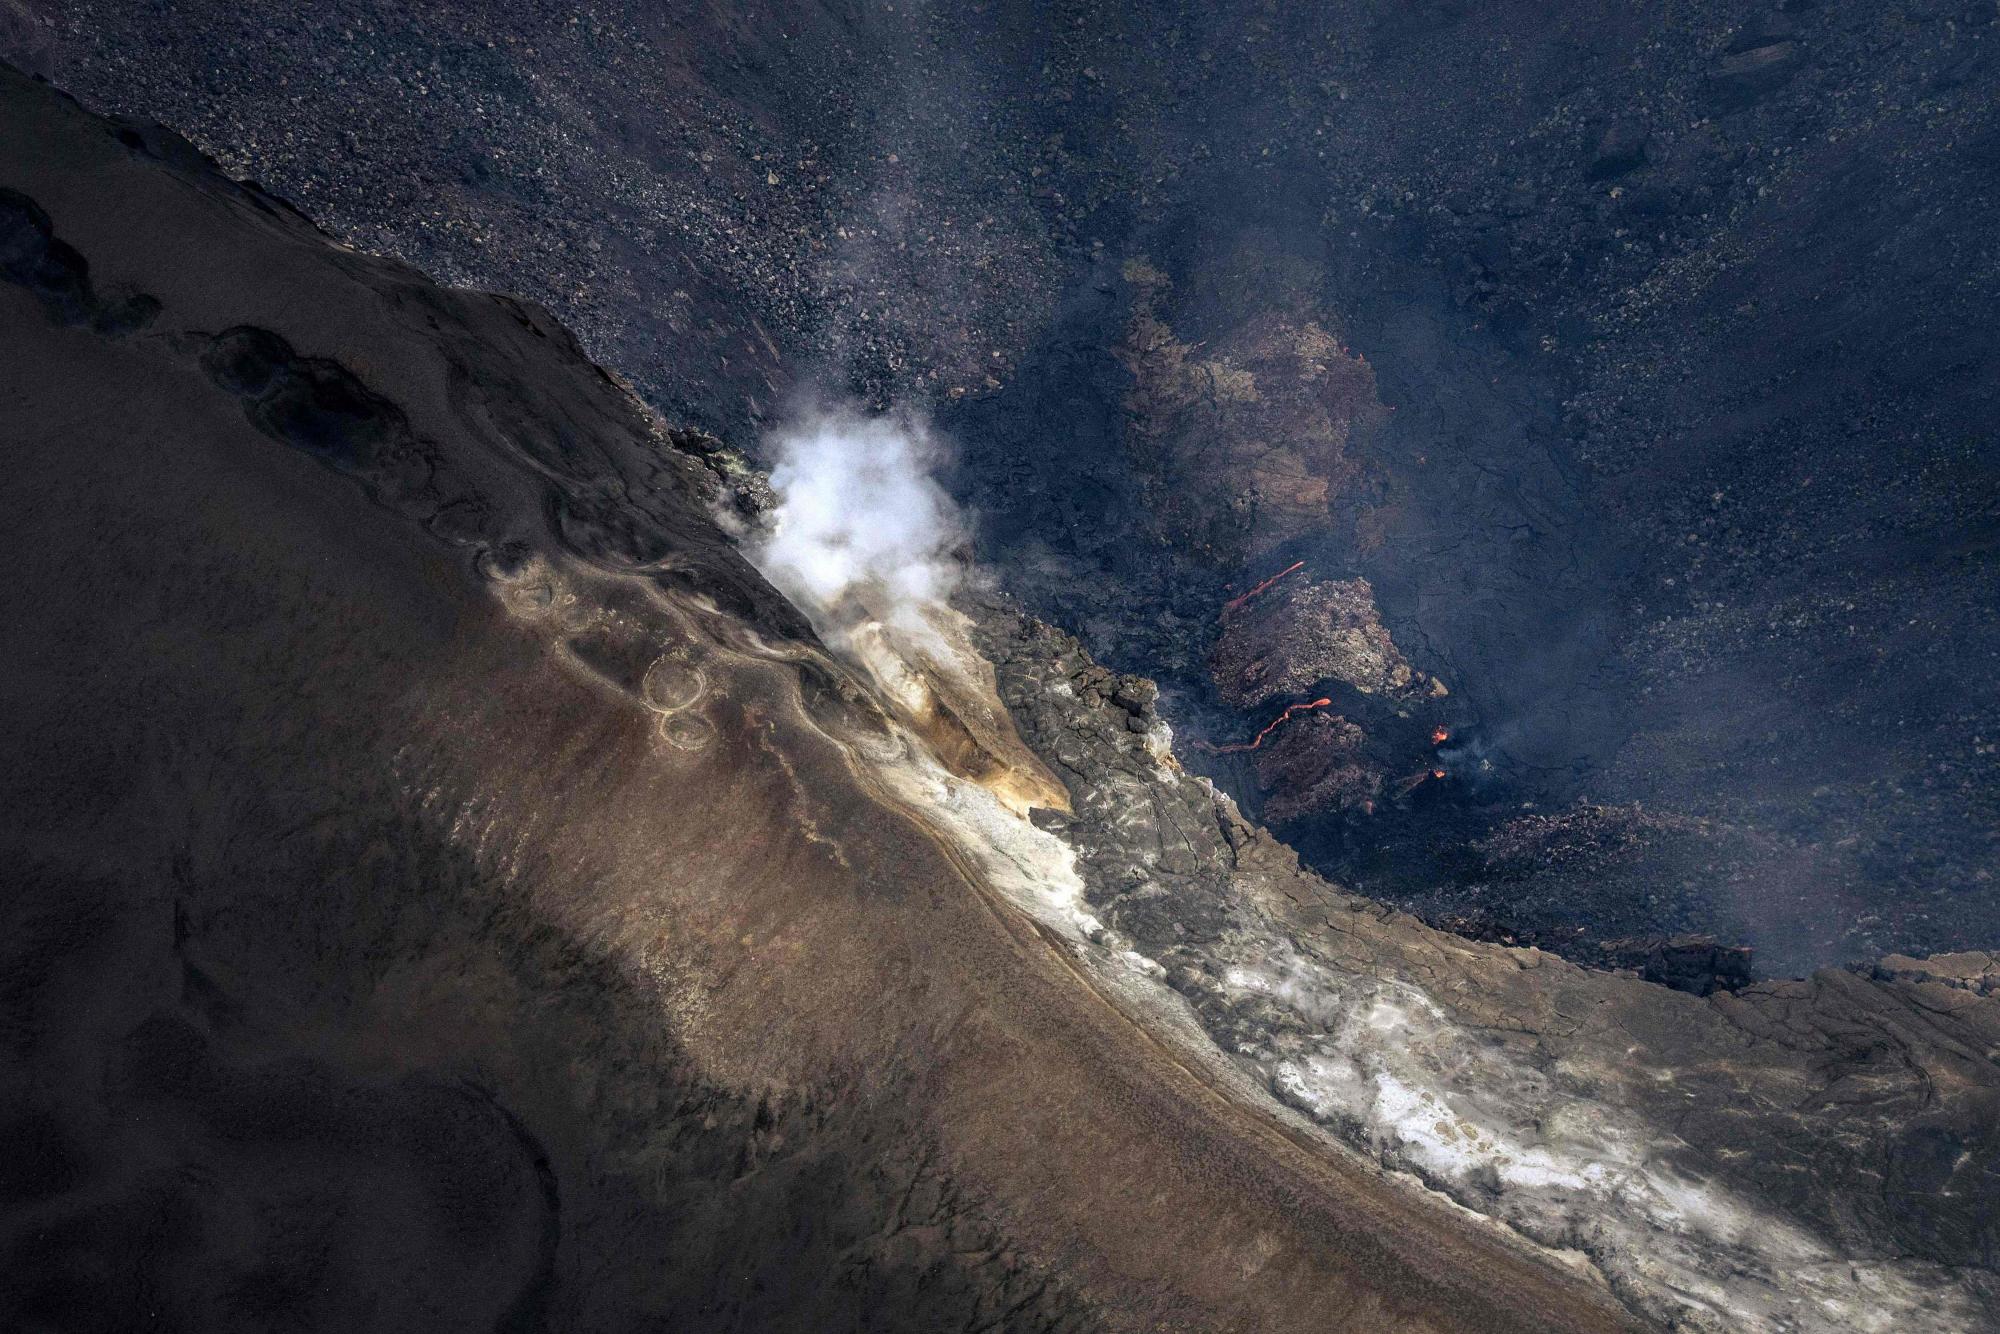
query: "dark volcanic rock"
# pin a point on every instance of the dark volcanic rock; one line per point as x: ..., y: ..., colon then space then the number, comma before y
x: 1303, y: 634
x: 1316, y: 765
x: 1618, y: 148
x: 1694, y: 964
x: 36, y: 259
x: 1743, y: 76
x: 1782, y: 1123
x: 1245, y: 443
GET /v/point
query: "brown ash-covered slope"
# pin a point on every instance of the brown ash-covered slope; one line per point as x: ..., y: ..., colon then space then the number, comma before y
x: 1637, y: 359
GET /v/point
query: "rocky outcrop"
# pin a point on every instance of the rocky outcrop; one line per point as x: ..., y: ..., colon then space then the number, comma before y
x: 1806, y: 1155
x: 1317, y: 765
x: 1245, y: 442
x: 1305, y: 633
x: 1694, y: 964
x: 1367, y: 730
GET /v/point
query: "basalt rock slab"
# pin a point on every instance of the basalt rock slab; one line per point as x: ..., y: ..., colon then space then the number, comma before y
x: 1247, y: 442
x: 1694, y: 964
x: 1305, y: 633
x: 1314, y: 766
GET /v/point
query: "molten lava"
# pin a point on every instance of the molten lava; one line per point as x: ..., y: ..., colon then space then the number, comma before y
x: 1237, y: 602
x: 1440, y: 735
x: 1417, y: 780
x: 1269, y: 728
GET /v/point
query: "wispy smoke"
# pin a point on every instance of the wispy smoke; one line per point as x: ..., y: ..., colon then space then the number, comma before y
x: 861, y: 530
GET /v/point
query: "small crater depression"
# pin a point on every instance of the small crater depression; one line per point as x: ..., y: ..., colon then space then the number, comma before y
x: 685, y: 731
x: 671, y: 684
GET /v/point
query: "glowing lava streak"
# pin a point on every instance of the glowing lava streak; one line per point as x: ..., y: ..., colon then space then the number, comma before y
x: 1236, y: 602
x: 1271, y: 727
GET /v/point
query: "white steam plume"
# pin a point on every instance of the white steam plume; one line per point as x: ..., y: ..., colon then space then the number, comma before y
x: 861, y: 531
x: 862, y: 539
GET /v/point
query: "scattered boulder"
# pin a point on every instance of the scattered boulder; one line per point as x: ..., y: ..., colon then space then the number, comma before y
x: 1618, y: 148
x: 1763, y: 30
x: 1747, y: 75
x: 1694, y: 964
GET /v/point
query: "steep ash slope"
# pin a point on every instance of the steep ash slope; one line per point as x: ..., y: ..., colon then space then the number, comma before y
x: 447, y: 888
